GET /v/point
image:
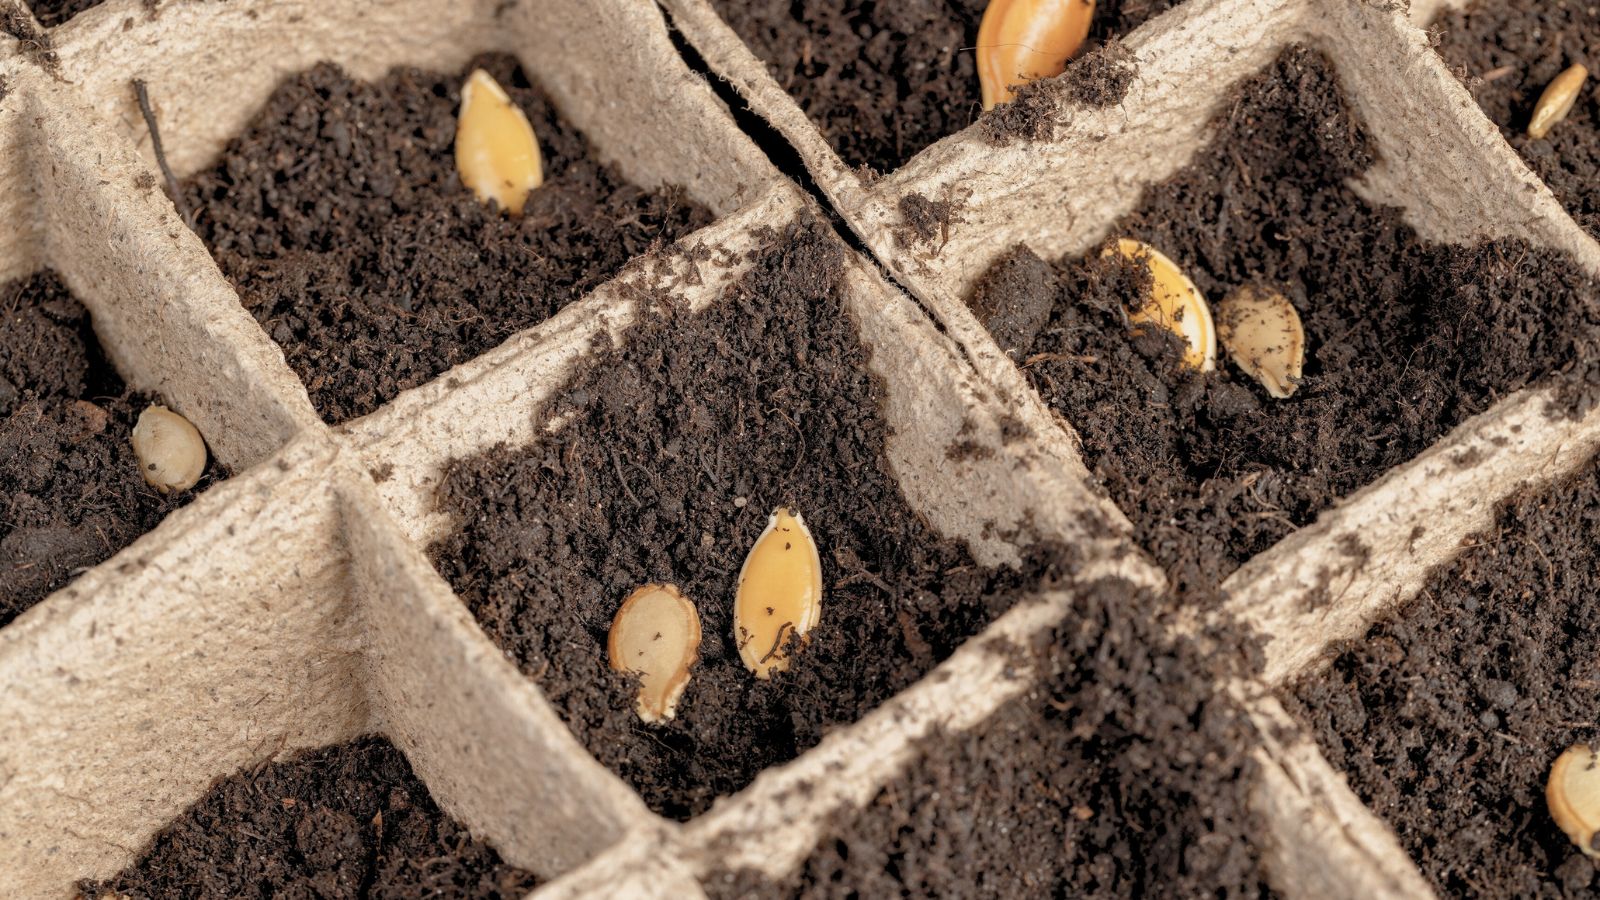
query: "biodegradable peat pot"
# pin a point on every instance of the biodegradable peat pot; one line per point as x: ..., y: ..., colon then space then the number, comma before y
x: 293, y: 605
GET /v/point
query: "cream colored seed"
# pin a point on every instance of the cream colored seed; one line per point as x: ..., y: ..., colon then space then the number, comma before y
x: 1174, y: 304
x: 779, y: 598
x: 656, y: 635
x: 1556, y: 101
x: 496, y: 151
x: 1261, y: 331
x: 1023, y: 40
x: 171, y: 453
x: 1573, y: 794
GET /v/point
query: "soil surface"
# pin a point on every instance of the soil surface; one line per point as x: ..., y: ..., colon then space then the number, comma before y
x: 1447, y: 715
x: 339, y: 216
x: 1507, y: 52
x: 680, y: 445
x: 1405, y: 339
x: 1119, y: 775
x: 882, y: 81
x: 54, y: 12
x: 71, y: 494
x: 350, y: 821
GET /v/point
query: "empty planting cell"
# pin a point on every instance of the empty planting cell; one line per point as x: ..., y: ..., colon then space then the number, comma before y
x: 1119, y: 774
x: 881, y: 81
x: 345, y: 821
x: 1507, y: 52
x: 71, y: 492
x: 1403, y: 339
x: 667, y: 455
x: 1447, y: 715
x: 340, y: 217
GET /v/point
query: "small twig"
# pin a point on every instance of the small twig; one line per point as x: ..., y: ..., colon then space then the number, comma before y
x: 142, y: 91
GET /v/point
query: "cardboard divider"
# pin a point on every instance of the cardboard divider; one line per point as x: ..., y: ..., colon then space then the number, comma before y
x: 1310, y: 590
x: 20, y: 147
x: 166, y: 317
x: 214, y: 643
x: 493, y: 753
x: 610, y: 66
x: 1324, y: 842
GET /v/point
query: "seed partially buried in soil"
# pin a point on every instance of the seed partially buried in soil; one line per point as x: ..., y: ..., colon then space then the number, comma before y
x: 1556, y: 101
x: 1175, y: 304
x: 171, y: 453
x: 497, y: 154
x: 1261, y: 330
x: 779, y: 598
x: 1573, y: 794
x: 656, y: 636
x: 1023, y: 40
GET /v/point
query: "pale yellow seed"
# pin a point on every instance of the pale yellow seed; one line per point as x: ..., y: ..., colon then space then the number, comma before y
x: 1023, y: 40
x: 1174, y: 304
x: 779, y: 599
x: 1573, y: 794
x: 1261, y: 331
x: 496, y: 151
x: 1556, y: 101
x: 656, y: 636
x: 171, y: 453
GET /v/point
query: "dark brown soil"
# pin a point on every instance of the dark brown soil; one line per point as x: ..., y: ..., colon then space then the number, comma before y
x: 882, y: 81
x: 71, y: 494
x: 1120, y: 775
x: 1447, y: 715
x: 1405, y: 339
x: 680, y: 445
x: 339, y: 216
x: 53, y: 12
x: 341, y: 822
x: 1507, y: 52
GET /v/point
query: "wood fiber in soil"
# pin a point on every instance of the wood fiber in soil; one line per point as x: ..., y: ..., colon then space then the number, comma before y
x: 350, y: 821
x: 1447, y: 714
x: 882, y: 81
x: 1405, y: 339
x: 340, y: 218
x: 53, y: 12
x: 679, y: 446
x: 71, y: 494
x: 1120, y: 774
x: 1507, y: 52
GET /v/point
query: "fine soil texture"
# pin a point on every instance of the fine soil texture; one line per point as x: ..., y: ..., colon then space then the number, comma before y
x: 54, y: 12
x: 339, y: 216
x: 71, y: 494
x: 1404, y: 339
x: 1507, y: 52
x: 675, y: 449
x: 882, y: 81
x: 350, y: 821
x: 1448, y: 714
x: 1119, y: 775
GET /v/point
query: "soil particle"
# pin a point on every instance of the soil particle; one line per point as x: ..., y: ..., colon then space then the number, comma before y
x: 1100, y: 77
x: 882, y: 81
x: 350, y: 821
x: 678, y: 447
x: 71, y: 494
x: 1507, y: 52
x: 1405, y: 339
x: 1447, y: 714
x: 339, y: 216
x: 53, y: 12
x: 1121, y: 774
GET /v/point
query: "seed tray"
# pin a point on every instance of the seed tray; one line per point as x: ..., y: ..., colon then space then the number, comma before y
x: 292, y: 606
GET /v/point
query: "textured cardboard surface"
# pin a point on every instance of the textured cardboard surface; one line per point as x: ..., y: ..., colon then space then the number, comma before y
x: 291, y: 606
